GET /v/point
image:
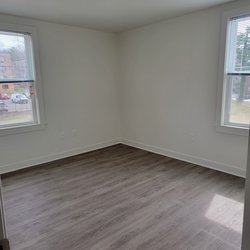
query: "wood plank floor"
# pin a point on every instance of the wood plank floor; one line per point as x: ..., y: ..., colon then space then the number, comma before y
x: 122, y: 198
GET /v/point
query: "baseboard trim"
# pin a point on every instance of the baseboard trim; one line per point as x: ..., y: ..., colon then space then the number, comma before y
x: 188, y: 158
x: 52, y: 157
x: 176, y: 155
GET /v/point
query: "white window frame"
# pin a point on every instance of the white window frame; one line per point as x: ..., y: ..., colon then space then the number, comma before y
x: 39, y: 123
x: 221, y: 94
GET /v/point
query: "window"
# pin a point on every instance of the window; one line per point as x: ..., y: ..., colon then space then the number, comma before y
x: 20, y: 90
x: 234, y: 81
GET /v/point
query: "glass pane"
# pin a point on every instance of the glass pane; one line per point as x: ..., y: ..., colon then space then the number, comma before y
x: 15, y: 60
x: 239, y: 102
x: 15, y: 103
x: 242, y: 62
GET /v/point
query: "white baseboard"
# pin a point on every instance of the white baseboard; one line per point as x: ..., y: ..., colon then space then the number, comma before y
x: 188, y: 158
x: 176, y: 155
x: 52, y: 157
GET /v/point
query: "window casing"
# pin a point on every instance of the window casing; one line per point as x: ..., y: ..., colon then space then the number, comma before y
x: 22, y: 100
x: 233, y: 105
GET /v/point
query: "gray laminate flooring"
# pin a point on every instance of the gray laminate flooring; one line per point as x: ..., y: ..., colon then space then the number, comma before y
x: 122, y: 198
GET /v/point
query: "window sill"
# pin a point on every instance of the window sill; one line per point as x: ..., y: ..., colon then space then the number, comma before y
x: 23, y: 129
x: 232, y: 130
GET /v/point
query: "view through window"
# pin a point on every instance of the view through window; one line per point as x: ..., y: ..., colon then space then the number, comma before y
x: 17, y: 78
x: 237, y: 96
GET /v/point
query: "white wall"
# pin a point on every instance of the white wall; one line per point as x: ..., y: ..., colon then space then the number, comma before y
x: 79, y: 72
x: 169, y: 86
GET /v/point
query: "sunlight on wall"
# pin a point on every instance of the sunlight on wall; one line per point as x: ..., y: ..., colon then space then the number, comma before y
x: 227, y: 212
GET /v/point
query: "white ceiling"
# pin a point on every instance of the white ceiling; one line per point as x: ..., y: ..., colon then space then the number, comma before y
x: 108, y: 15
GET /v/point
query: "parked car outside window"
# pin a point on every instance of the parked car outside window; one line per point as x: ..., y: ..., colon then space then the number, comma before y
x: 13, y: 96
x: 4, y: 96
x: 20, y: 99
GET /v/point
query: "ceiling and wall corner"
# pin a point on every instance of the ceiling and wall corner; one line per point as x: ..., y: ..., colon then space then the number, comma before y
x: 106, y: 15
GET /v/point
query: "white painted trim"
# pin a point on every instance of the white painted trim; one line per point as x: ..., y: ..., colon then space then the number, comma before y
x: 188, y: 158
x: 221, y: 92
x: 38, y: 106
x: 154, y: 149
x: 52, y: 157
x: 3, y: 231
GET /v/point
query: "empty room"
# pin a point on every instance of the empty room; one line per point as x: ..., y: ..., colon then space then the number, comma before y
x: 124, y: 125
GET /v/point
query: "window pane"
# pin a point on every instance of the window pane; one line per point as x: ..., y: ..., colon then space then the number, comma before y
x: 239, y: 103
x: 15, y: 104
x: 15, y: 57
x: 242, y: 62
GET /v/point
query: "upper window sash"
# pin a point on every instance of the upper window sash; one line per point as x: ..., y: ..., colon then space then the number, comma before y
x: 26, y: 41
x: 232, y: 46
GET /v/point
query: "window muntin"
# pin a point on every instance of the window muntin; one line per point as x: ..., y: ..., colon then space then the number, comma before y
x: 19, y: 100
x: 236, y: 105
